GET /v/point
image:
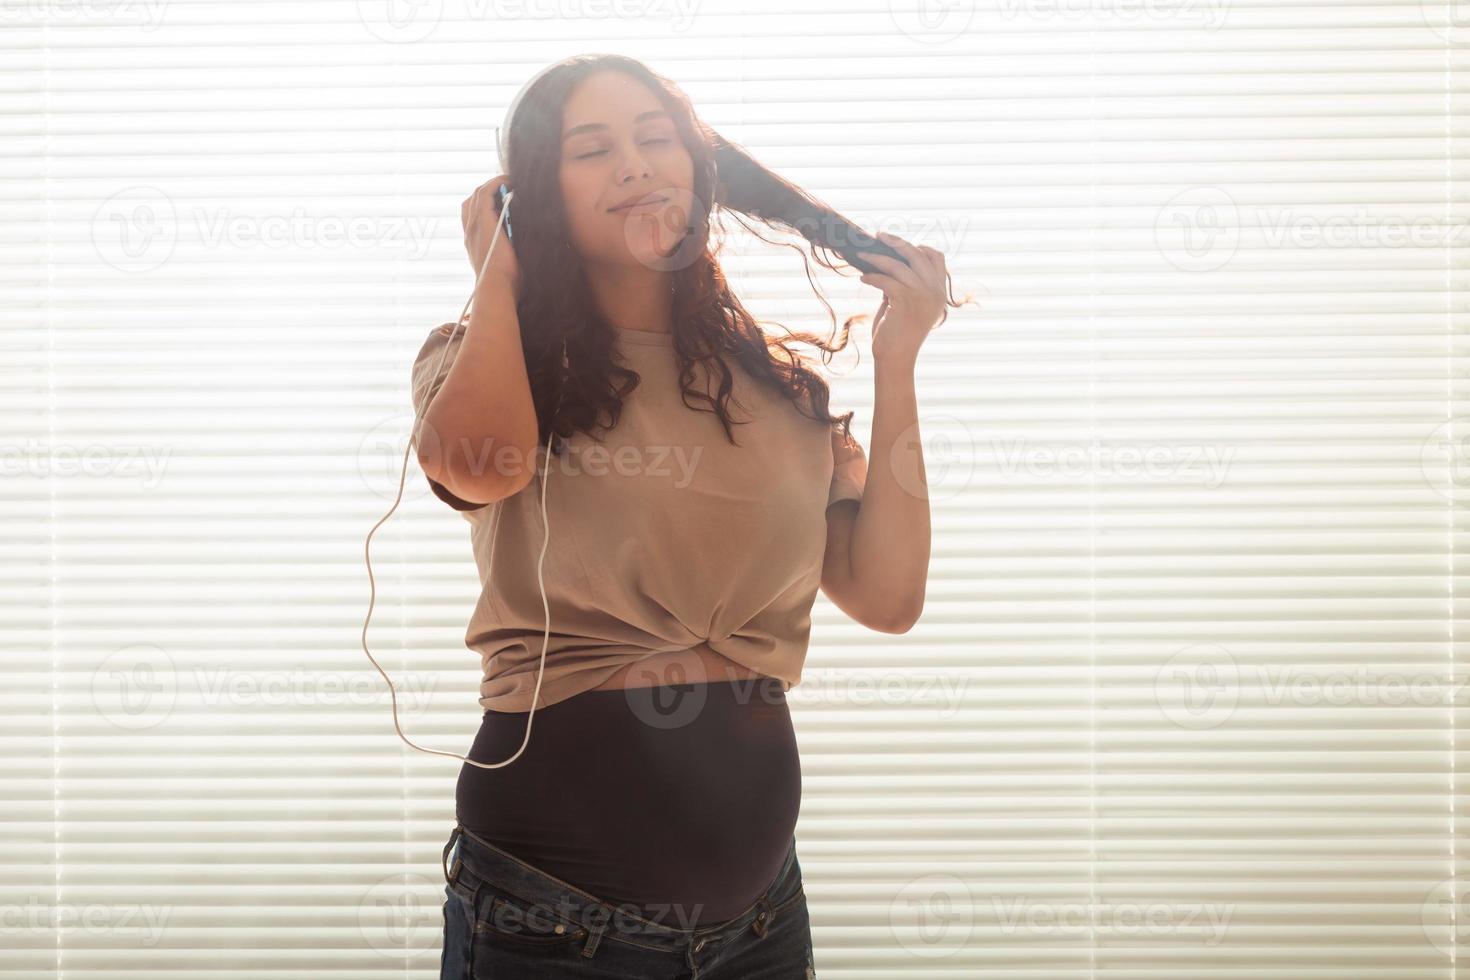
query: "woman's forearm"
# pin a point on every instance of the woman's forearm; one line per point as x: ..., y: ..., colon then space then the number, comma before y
x: 891, y: 536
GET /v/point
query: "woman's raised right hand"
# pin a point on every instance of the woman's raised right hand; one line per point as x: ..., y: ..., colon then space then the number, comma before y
x: 479, y: 215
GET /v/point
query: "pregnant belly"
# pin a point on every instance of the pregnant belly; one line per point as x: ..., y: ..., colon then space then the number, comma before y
x: 677, y: 800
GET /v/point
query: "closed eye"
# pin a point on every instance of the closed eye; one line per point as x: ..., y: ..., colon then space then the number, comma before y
x: 599, y: 153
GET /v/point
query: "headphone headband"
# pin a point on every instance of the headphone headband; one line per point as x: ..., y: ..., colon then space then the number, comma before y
x: 503, y: 140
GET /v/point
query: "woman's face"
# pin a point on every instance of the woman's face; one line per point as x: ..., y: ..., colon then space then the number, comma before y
x: 618, y: 142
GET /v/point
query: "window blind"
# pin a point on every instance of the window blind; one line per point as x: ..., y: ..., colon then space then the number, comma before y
x: 1185, y: 697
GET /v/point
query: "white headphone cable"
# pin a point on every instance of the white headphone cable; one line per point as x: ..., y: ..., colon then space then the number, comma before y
x: 367, y: 545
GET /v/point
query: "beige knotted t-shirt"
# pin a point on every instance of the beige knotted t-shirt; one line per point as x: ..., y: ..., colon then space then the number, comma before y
x: 664, y: 536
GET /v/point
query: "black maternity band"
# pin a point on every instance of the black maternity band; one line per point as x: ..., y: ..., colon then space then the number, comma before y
x: 679, y: 799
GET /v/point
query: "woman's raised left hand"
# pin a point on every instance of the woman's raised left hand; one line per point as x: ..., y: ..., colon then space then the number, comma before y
x: 913, y: 297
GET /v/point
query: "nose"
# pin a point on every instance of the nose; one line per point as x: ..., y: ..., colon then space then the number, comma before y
x: 629, y: 174
x: 634, y: 167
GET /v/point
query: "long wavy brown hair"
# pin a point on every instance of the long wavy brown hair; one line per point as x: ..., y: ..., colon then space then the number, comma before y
x: 568, y: 344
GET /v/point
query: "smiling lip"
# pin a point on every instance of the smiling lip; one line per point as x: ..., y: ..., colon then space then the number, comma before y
x: 656, y: 197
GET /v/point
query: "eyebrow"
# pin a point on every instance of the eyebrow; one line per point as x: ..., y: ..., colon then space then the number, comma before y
x: 590, y: 127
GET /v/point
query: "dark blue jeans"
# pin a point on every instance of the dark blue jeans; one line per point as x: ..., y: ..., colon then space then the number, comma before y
x: 505, y: 920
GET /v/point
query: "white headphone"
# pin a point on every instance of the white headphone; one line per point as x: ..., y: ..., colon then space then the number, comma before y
x: 502, y: 140
x: 367, y: 548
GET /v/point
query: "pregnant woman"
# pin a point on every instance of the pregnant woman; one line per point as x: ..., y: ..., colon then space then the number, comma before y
x: 697, y: 493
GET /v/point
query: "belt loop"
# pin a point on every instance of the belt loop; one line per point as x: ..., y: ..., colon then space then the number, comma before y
x: 474, y: 926
x: 598, y: 927
x: 454, y: 837
x: 762, y: 920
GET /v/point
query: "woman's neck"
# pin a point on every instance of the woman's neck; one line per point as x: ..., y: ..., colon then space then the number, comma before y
x: 639, y: 300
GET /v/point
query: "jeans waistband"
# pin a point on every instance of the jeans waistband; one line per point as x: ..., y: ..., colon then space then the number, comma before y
x: 470, y: 861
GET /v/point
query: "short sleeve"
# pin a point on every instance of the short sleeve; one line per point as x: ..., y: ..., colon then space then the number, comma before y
x: 428, y: 377
x: 849, y: 469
